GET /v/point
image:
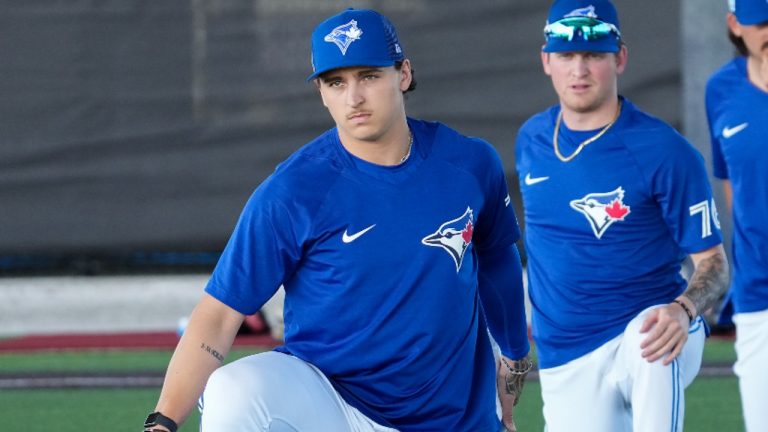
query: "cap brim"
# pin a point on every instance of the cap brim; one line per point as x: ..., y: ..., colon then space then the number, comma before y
x: 752, y: 17
x: 361, y: 63
x: 607, y: 44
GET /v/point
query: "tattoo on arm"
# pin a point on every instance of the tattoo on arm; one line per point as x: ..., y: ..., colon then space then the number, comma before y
x: 514, y: 376
x: 708, y: 282
x: 514, y: 385
x: 213, y: 352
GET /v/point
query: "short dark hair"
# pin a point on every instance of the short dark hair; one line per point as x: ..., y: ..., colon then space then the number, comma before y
x: 738, y: 43
x: 412, y: 87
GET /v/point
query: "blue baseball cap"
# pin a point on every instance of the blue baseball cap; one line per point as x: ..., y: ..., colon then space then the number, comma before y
x: 749, y: 12
x: 354, y: 37
x: 582, y: 25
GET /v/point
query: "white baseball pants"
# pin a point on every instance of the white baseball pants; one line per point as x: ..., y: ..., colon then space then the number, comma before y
x: 276, y: 392
x: 752, y: 368
x: 613, y: 389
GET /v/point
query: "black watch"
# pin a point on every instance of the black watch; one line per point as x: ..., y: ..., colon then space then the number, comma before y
x: 157, y: 419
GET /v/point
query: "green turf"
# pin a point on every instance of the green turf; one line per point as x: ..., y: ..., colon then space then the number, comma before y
x: 528, y: 415
x: 712, y: 404
x: 80, y: 410
x: 102, y: 361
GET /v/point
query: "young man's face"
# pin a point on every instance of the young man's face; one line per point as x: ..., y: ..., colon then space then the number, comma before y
x: 365, y: 101
x: 584, y: 80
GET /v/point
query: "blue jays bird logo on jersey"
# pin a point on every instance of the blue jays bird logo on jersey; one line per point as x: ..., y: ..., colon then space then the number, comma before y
x: 454, y: 237
x: 602, y: 209
x: 344, y: 35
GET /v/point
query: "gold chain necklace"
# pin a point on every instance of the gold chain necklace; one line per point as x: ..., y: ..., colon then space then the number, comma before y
x: 583, y: 143
x: 410, y: 145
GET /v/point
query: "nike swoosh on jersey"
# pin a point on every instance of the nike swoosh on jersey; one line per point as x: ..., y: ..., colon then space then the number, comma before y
x: 731, y: 131
x: 533, y: 180
x: 346, y: 238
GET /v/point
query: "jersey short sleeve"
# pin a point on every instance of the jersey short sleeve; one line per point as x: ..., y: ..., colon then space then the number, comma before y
x: 262, y: 251
x: 682, y: 189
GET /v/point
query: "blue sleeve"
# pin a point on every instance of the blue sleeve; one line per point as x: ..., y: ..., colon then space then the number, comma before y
x: 719, y: 167
x: 263, y: 249
x: 682, y: 189
x: 500, y: 279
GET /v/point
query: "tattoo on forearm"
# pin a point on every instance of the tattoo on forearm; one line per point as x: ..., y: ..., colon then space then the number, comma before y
x: 708, y: 282
x: 514, y: 385
x: 213, y: 352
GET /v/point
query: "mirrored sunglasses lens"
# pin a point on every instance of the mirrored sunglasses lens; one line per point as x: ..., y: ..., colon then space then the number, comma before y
x: 559, y: 31
x: 587, y: 28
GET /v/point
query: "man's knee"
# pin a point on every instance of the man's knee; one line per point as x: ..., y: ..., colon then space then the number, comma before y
x: 222, y: 380
x: 633, y: 338
x: 250, y: 375
x: 233, y: 398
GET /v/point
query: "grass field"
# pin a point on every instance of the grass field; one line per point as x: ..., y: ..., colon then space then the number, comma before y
x: 712, y: 404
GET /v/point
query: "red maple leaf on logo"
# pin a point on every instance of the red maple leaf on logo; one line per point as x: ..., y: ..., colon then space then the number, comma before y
x: 617, y: 210
x: 467, y: 233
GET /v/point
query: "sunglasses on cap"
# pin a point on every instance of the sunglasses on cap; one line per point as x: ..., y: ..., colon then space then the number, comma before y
x: 588, y: 28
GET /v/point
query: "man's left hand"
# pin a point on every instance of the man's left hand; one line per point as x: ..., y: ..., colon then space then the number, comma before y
x: 667, y: 329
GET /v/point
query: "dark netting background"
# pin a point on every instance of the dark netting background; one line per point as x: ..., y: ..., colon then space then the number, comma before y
x: 133, y: 131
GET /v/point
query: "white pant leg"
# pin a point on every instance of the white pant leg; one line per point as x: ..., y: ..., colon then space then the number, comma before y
x: 613, y: 389
x: 752, y: 368
x: 654, y: 391
x: 578, y: 397
x: 276, y: 392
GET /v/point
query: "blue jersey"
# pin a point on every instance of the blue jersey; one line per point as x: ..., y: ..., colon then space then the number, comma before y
x: 606, y: 233
x: 737, y: 111
x: 380, y: 272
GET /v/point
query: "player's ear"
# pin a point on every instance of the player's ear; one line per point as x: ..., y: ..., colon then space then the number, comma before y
x: 545, y: 63
x: 405, y: 75
x: 733, y: 24
x: 621, y: 59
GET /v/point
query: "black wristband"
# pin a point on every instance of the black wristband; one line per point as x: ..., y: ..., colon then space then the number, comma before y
x: 686, y: 309
x: 157, y: 419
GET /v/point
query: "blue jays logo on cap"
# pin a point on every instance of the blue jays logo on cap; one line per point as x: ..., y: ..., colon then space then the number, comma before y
x: 344, y: 35
x: 602, y: 209
x: 588, y: 12
x: 454, y: 237
x: 354, y: 38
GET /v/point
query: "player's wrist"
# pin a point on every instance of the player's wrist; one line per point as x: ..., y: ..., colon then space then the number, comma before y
x: 157, y: 422
x: 688, y: 307
x: 517, y: 367
x: 688, y: 302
